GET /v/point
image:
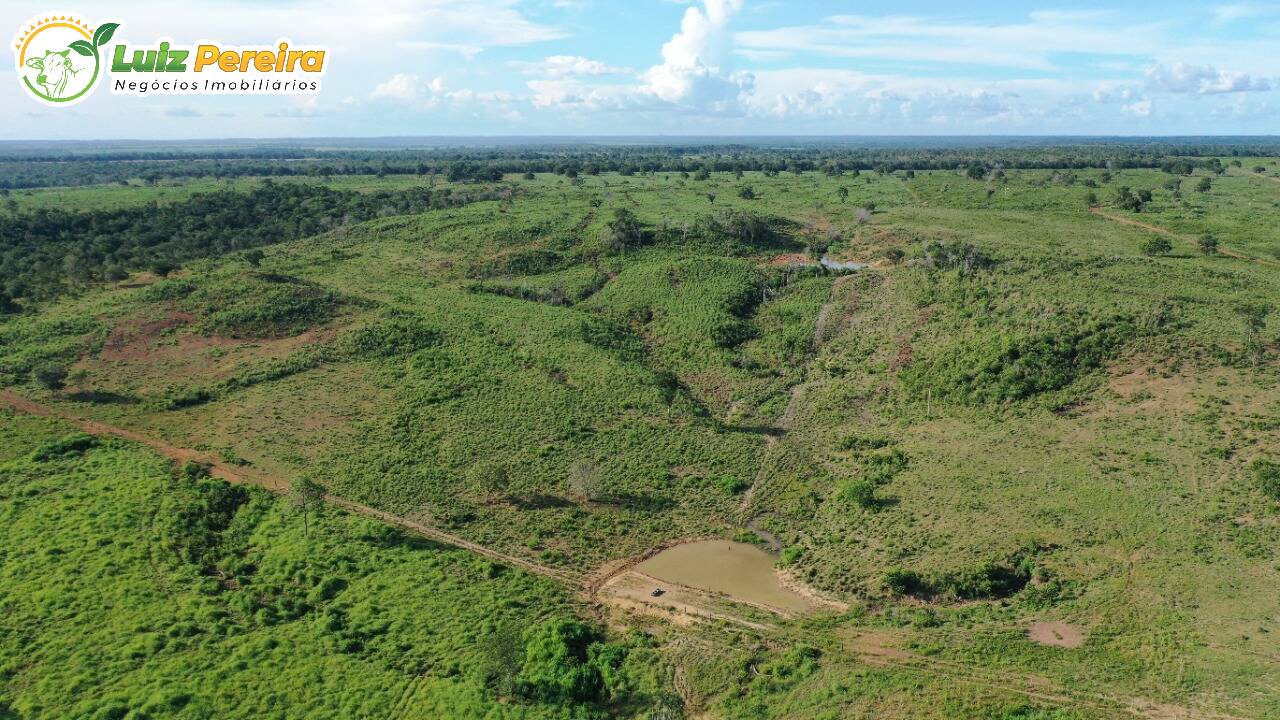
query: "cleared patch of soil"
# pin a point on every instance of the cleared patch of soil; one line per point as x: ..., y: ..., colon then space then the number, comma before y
x: 154, y: 350
x: 679, y: 604
x: 1057, y: 634
x: 790, y: 259
x: 712, y: 580
x: 133, y: 338
x: 1151, y: 391
x: 878, y: 647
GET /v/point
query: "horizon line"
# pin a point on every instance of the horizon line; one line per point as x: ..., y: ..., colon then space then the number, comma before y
x: 635, y: 136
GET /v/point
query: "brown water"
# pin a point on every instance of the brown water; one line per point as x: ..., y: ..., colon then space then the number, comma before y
x: 741, y: 571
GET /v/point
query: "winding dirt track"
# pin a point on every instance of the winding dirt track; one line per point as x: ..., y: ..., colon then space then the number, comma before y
x: 247, y: 476
x: 1176, y: 236
x: 821, y: 329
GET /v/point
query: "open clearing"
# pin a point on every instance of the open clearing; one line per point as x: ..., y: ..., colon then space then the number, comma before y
x: 1057, y: 634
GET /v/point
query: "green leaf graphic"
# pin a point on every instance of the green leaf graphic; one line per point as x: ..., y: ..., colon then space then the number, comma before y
x: 82, y: 47
x: 103, y: 34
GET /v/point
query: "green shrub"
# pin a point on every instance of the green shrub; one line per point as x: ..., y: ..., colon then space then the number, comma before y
x: 1267, y: 474
x: 623, y: 231
x: 390, y: 337
x: 194, y: 513
x: 567, y: 661
x: 261, y: 306
x: 1003, y: 367
x: 860, y: 492
x: 939, y: 255
x: 791, y: 555
x: 50, y: 375
x: 533, y: 261
x: 167, y: 290
x: 991, y: 579
x: 880, y: 469
x: 1156, y: 245
x: 71, y: 445
x: 861, y: 442
x: 906, y: 582
x: 732, y: 485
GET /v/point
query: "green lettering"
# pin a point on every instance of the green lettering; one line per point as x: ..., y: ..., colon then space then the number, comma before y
x: 177, y: 61
x: 117, y: 60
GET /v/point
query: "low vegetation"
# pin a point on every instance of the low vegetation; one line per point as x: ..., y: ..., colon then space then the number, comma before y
x: 1049, y: 400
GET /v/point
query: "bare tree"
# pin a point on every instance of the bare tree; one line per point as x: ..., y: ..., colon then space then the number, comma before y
x: 306, y: 495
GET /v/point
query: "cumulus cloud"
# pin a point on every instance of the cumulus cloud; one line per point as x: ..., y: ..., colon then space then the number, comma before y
x: 573, y: 94
x: 1113, y: 94
x: 1202, y: 80
x: 400, y: 87
x: 1141, y: 108
x: 896, y: 101
x: 567, y: 65
x: 694, y: 72
x: 412, y: 90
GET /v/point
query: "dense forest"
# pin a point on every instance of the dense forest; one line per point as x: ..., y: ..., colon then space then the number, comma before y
x: 43, y: 253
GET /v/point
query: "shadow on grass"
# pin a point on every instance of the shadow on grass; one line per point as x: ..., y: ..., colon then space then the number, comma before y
x: 102, y: 397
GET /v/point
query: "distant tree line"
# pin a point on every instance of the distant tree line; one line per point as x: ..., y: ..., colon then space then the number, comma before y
x: 51, y: 168
x: 44, y: 253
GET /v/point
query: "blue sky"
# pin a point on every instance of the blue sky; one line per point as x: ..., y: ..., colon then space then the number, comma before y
x: 510, y: 67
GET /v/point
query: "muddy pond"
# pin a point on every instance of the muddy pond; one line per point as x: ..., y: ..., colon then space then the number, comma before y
x: 741, y: 571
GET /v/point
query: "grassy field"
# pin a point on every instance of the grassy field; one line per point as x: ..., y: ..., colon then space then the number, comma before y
x: 196, y: 599
x: 1018, y: 415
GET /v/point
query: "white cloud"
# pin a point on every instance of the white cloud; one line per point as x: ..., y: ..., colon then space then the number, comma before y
x: 1203, y: 80
x: 574, y: 94
x: 1025, y: 45
x: 551, y: 93
x: 412, y: 90
x: 876, y: 102
x: 1226, y: 14
x: 566, y: 65
x: 399, y: 87
x: 1115, y: 94
x: 694, y: 75
x: 1141, y: 108
x: 694, y: 72
x: 340, y: 24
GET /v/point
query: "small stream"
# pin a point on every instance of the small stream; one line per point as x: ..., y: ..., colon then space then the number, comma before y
x: 830, y: 264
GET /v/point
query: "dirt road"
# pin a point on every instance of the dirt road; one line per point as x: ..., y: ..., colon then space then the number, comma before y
x: 1175, y: 236
x: 248, y: 476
